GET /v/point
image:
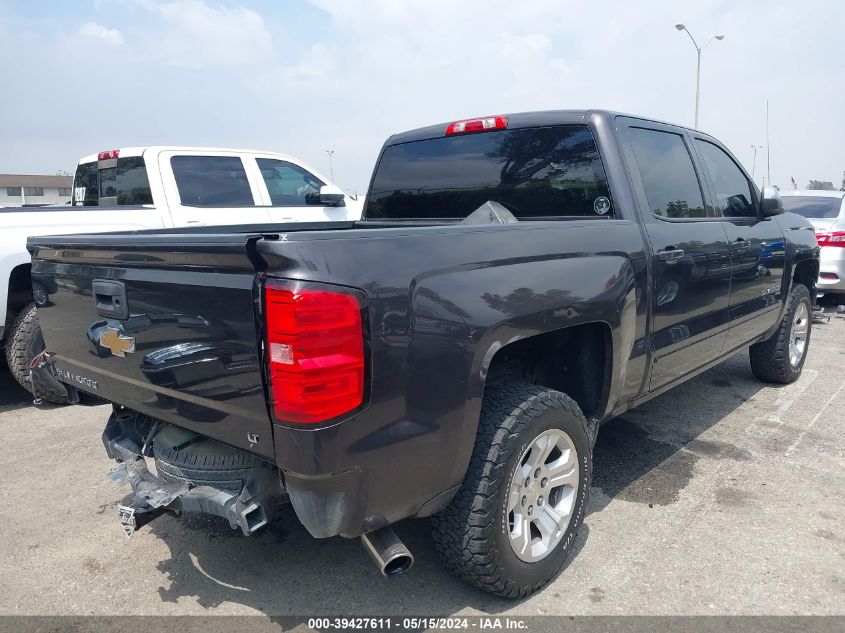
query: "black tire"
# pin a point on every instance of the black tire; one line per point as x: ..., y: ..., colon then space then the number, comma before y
x: 770, y: 358
x: 24, y: 343
x: 185, y: 457
x: 472, y: 533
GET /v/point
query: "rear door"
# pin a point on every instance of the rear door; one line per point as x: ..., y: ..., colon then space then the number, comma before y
x: 210, y: 188
x: 690, y: 252
x: 758, y: 249
x: 163, y: 324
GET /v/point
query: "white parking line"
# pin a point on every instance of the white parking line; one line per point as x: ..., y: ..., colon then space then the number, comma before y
x: 801, y: 435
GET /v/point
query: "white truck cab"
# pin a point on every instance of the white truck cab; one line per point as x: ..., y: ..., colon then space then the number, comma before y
x: 136, y: 188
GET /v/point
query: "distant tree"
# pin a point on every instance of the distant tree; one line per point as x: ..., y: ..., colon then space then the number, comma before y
x: 842, y: 188
x: 824, y: 185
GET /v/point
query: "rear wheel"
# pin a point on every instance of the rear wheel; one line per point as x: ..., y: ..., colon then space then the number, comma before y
x: 780, y: 358
x: 516, y: 516
x: 24, y: 343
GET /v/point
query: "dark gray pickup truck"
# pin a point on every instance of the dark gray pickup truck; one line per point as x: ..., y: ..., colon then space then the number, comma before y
x: 515, y: 282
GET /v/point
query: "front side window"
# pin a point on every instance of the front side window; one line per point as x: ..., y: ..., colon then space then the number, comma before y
x: 733, y: 191
x: 669, y: 178
x: 289, y: 185
x: 212, y: 181
x: 535, y: 173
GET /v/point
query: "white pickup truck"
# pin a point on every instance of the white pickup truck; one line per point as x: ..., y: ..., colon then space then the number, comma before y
x: 137, y: 188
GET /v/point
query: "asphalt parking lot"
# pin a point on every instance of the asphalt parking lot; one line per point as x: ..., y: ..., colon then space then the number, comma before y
x: 724, y: 496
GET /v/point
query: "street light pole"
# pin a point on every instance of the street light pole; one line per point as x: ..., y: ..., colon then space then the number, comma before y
x: 330, y: 152
x: 754, y: 162
x: 698, y: 49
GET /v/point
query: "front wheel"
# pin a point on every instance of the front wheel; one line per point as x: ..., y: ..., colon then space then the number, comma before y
x: 516, y: 516
x: 780, y: 358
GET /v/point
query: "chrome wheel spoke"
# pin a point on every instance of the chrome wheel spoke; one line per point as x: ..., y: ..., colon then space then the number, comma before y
x: 549, y: 522
x: 513, y: 498
x: 564, y: 475
x: 520, y: 535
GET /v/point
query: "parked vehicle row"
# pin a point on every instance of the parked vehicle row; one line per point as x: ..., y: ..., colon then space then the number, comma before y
x: 826, y: 212
x: 514, y: 282
x: 139, y: 188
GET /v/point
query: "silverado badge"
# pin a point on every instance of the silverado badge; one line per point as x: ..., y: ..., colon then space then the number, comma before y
x: 118, y: 344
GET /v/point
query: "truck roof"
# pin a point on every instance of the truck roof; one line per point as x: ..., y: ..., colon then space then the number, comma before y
x: 126, y: 152
x: 520, y: 120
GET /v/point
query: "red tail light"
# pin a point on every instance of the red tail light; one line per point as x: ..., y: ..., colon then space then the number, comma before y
x: 315, y: 342
x: 477, y: 125
x: 833, y: 238
x: 112, y: 153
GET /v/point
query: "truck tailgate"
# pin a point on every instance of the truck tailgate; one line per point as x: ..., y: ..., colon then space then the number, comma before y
x: 161, y: 323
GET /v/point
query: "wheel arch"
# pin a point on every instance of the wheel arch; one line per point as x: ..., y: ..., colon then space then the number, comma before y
x: 576, y: 360
x: 18, y: 291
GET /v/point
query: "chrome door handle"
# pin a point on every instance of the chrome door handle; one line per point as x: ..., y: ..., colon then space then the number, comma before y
x: 670, y: 256
x: 741, y: 244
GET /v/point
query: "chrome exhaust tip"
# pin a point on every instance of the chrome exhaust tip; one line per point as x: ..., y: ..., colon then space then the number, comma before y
x: 389, y: 553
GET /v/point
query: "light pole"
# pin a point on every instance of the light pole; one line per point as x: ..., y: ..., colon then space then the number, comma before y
x: 754, y: 162
x: 331, y: 167
x: 698, y: 49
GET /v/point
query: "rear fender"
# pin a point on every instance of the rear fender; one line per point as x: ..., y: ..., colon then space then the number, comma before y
x: 530, y: 298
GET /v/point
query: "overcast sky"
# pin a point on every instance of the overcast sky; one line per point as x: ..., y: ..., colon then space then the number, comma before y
x: 301, y: 77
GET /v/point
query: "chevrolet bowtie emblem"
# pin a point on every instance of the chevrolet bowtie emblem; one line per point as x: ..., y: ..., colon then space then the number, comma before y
x: 118, y: 344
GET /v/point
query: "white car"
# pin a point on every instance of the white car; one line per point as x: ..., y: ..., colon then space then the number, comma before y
x: 137, y: 188
x: 826, y: 212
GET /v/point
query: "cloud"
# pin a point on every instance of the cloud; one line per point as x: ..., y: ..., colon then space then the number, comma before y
x: 112, y: 37
x: 197, y: 35
x: 303, y: 77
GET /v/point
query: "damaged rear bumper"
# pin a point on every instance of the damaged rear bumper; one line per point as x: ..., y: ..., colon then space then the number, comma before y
x: 250, y: 509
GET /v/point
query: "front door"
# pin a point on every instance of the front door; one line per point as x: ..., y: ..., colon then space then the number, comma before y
x: 293, y: 193
x: 757, y: 246
x: 690, y: 254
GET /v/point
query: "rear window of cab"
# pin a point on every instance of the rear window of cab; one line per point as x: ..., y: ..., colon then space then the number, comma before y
x: 125, y: 183
x: 536, y: 173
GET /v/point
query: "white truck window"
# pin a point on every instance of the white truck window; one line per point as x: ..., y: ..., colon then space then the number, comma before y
x: 289, y: 185
x: 125, y: 182
x: 211, y: 181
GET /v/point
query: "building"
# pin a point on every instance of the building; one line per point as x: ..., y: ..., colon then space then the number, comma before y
x: 18, y: 189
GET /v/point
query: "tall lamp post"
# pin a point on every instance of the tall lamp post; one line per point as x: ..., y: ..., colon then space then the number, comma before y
x: 330, y: 152
x: 698, y: 49
x: 754, y: 162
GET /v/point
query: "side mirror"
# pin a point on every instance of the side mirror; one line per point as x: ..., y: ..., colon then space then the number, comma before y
x: 771, y: 203
x: 332, y: 196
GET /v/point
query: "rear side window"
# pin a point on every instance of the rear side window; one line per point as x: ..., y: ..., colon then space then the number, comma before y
x: 535, y: 173
x: 289, y: 185
x: 125, y: 183
x: 813, y: 207
x: 671, y: 185
x: 212, y: 181
x: 733, y: 191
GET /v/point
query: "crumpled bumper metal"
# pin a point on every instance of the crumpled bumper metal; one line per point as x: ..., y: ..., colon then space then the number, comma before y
x: 250, y: 509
